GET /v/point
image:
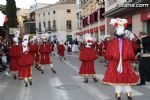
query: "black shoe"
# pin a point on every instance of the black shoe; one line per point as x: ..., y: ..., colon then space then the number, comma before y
x: 141, y: 84
x: 26, y: 84
x: 39, y: 68
x: 118, y: 98
x: 30, y: 81
x: 15, y: 77
x: 130, y: 98
x: 95, y: 80
x: 42, y: 72
x: 53, y: 70
x: 86, y: 80
x: 36, y: 66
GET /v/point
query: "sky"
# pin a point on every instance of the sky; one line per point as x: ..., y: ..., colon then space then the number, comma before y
x: 27, y: 3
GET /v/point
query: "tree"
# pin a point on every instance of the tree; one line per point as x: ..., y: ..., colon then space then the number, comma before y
x: 11, y: 13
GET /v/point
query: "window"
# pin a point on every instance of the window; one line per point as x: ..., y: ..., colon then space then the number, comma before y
x: 39, y: 27
x: 48, y: 13
x: 44, y: 24
x: 43, y: 14
x: 68, y: 25
x: 49, y: 25
x: 103, y: 32
x: 39, y: 15
x: 54, y: 12
x: 68, y: 10
x: 146, y: 27
x: 54, y: 23
x: 129, y: 27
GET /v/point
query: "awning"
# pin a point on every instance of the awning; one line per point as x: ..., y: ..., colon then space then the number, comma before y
x: 96, y: 29
x: 79, y: 33
x: 91, y: 30
x: 102, y: 27
x: 145, y: 16
x: 86, y: 32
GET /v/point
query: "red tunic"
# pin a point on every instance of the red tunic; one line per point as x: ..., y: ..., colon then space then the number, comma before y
x: 87, y: 56
x: 100, y: 49
x: 14, y: 53
x: 96, y: 47
x: 134, y: 46
x: 93, y: 45
x: 37, y: 54
x: 25, y: 61
x: 33, y: 49
x: 45, y: 50
x: 112, y: 76
x: 61, y: 49
x: 81, y: 46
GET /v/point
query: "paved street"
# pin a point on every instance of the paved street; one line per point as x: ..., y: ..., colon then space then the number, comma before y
x: 66, y: 84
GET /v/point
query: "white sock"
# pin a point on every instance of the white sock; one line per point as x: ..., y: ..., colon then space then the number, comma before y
x: 117, y: 89
x: 51, y: 65
x: 127, y: 89
x: 26, y: 79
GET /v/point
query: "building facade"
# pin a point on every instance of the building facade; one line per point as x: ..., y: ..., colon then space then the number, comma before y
x: 94, y: 16
x: 29, y: 22
x: 58, y: 19
x: 22, y: 14
x: 137, y: 12
x: 90, y: 18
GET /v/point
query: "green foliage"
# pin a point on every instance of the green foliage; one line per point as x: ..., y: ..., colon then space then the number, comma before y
x: 11, y: 13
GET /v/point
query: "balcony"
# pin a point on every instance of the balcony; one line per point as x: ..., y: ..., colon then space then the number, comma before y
x: 114, y: 11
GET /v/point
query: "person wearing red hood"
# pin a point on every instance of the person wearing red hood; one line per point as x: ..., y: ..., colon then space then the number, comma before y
x: 61, y: 50
x: 87, y: 58
x: 45, y: 50
x: 25, y: 61
x: 14, y: 53
x: 33, y: 49
x: 119, y: 54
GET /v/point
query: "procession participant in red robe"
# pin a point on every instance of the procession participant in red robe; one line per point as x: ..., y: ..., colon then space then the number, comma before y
x: 53, y: 46
x: 96, y: 47
x: 82, y: 45
x: 14, y: 53
x: 61, y: 50
x: 25, y: 61
x: 87, y: 57
x: 37, y: 56
x: 119, y: 54
x: 45, y: 51
x: 33, y: 48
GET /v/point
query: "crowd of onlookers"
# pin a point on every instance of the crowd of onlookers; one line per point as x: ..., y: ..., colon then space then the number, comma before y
x: 4, y: 58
